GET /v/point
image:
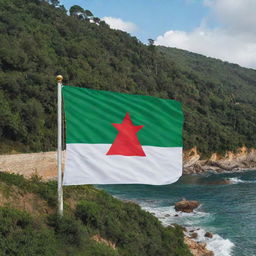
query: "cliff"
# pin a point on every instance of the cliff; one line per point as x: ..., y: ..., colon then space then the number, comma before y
x: 243, y: 159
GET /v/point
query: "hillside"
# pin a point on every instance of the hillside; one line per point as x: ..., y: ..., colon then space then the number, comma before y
x: 220, y: 104
x: 39, y: 40
x: 94, y: 223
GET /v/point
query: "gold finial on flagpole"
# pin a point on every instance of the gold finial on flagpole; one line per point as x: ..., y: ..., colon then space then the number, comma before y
x: 59, y: 78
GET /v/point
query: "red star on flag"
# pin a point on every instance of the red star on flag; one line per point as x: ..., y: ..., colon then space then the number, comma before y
x: 127, y: 142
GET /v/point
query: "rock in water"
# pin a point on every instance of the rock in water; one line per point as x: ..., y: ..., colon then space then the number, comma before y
x: 208, y: 234
x: 194, y: 235
x: 186, y: 206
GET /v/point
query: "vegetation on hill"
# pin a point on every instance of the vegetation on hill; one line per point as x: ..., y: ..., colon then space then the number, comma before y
x: 39, y: 40
x: 94, y: 224
x: 220, y: 101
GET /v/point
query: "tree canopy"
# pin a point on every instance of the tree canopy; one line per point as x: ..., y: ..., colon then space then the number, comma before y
x: 39, y: 40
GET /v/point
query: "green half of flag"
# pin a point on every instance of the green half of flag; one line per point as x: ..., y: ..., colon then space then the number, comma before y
x: 91, y: 116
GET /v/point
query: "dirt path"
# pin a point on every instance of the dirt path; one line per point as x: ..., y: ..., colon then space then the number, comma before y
x: 43, y: 164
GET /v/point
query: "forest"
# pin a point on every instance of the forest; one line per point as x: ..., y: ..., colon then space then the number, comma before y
x: 40, y: 39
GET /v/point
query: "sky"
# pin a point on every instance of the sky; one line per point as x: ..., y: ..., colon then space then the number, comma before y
x: 223, y: 29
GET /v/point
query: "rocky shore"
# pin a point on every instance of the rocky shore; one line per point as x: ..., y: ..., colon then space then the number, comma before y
x: 243, y: 159
x: 196, y: 248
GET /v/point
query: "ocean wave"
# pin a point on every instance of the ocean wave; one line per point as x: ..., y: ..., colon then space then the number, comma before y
x: 217, y: 244
x: 193, y: 222
x: 236, y: 180
x: 168, y: 215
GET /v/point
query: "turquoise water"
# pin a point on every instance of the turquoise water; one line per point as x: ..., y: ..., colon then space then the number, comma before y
x: 229, y: 211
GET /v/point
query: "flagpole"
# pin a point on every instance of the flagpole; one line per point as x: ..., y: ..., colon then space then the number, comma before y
x: 59, y: 152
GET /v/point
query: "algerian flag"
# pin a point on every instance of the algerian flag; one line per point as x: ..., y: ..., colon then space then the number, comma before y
x: 116, y: 138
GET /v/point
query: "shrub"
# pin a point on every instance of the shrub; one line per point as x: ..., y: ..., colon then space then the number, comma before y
x: 46, y: 190
x: 134, y: 231
x: 89, y: 213
x: 98, y: 249
x: 20, y: 235
x: 68, y: 229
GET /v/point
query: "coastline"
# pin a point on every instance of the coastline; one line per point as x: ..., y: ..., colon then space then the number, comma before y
x: 197, y: 248
x: 243, y: 159
x: 201, y: 240
x: 194, y: 235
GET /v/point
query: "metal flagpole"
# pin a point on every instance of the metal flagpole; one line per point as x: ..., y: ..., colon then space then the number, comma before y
x: 59, y: 154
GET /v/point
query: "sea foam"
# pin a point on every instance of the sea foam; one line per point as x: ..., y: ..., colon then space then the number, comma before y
x: 236, y: 180
x: 217, y: 244
x: 193, y: 222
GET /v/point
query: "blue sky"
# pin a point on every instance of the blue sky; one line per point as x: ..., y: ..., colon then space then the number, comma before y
x: 152, y: 17
x: 223, y: 29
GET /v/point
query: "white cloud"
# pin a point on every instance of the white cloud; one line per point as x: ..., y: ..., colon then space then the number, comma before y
x: 117, y: 23
x: 235, y: 15
x: 214, y: 43
x: 233, y: 41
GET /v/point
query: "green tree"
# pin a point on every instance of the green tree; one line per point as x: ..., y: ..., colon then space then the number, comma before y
x: 55, y: 2
x: 77, y: 11
x: 88, y: 13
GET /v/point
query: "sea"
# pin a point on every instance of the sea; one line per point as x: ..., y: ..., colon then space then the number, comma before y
x: 227, y: 210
